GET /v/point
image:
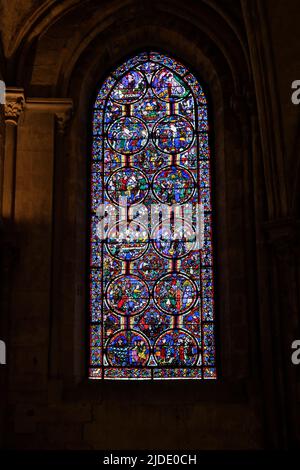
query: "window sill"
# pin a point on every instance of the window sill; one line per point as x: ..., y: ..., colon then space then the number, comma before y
x: 183, y: 391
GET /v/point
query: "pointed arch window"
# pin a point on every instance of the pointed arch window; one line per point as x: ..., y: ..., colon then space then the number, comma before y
x: 151, y: 272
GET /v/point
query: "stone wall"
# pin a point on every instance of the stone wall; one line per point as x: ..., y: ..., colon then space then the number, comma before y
x: 55, y: 54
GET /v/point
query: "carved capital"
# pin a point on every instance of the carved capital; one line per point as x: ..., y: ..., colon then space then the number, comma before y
x: 14, y: 105
x: 61, y: 108
x: 62, y: 120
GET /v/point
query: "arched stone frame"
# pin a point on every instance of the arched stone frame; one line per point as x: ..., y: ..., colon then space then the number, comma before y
x: 79, y: 127
x: 216, y: 51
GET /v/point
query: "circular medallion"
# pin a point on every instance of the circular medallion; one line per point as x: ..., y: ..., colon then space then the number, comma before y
x: 127, y: 295
x: 127, y: 186
x: 173, y: 134
x: 168, y: 86
x: 127, y: 241
x: 130, y: 88
x: 128, y: 348
x: 173, y: 239
x: 175, y: 294
x: 173, y: 185
x: 127, y: 135
x: 176, y: 348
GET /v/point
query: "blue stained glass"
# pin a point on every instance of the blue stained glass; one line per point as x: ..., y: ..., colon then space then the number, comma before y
x: 151, y: 281
x: 133, y: 62
x: 173, y: 134
x: 105, y: 89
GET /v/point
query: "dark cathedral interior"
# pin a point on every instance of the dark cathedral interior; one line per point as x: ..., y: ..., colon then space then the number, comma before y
x: 55, y: 60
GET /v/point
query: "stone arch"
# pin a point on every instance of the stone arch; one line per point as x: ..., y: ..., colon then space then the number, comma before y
x: 227, y: 89
x: 63, y: 60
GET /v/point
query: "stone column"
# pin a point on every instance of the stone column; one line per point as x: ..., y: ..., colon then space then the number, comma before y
x: 13, y: 108
x: 31, y: 309
x: 62, y: 120
x: 60, y: 110
x: 11, y: 113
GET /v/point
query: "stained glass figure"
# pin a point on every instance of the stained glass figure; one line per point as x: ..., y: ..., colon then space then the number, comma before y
x: 151, y: 291
x: 173, y: 185
x: 127, y: 183
x: 173, y: 134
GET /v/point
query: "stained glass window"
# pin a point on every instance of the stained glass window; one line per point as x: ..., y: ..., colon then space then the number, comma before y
x: 151, y: 258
